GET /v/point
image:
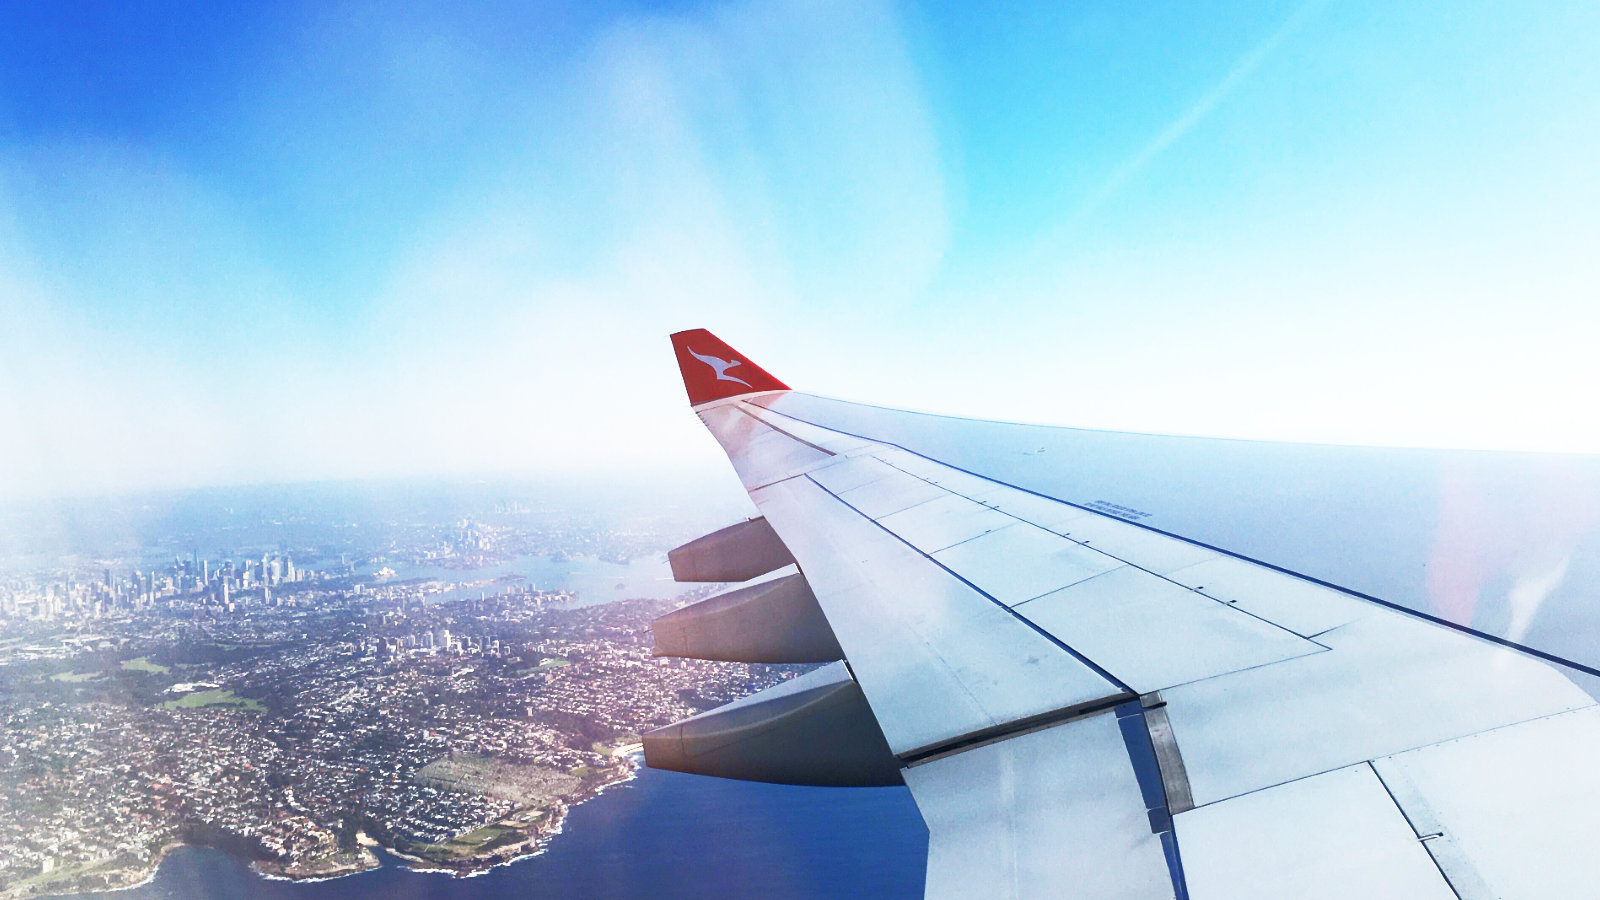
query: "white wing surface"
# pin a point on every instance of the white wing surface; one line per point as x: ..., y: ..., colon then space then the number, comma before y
x: 1083, y: 706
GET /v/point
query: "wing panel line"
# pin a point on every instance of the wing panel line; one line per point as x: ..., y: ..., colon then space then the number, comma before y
x: 1424, y: 839
x: 741, y: 408
x: 1016, y: 728
x: 1387, y: 604
x: 1091, y: 664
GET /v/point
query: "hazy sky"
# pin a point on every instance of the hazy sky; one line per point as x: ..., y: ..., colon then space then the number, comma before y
x: 286, y: 241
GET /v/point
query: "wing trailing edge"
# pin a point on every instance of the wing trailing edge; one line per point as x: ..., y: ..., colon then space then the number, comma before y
x: 1073, y: 690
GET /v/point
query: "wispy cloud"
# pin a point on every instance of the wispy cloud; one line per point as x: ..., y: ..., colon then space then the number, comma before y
x: 489, y: 287
x: 1242, y: 70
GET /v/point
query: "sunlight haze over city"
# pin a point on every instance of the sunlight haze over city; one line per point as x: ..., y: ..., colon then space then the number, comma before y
x: 274, y: 242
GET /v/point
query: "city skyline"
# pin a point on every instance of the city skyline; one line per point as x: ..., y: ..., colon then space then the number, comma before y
x: 444, y: 688
x: 318, y: 242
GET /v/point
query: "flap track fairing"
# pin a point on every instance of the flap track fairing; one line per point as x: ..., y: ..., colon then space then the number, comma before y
x: 814, y: 730
x: 739, y: 552
x: 775, y: 621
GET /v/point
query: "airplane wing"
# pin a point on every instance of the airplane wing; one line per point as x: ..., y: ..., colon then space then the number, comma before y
x: 1125, y: 666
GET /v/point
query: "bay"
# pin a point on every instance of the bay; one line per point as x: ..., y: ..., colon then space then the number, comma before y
x: 591, y: 579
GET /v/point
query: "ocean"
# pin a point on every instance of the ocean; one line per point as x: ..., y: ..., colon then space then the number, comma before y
x: 664, y: 835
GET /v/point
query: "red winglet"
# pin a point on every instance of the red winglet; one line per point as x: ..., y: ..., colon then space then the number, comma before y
x: 712, y: 370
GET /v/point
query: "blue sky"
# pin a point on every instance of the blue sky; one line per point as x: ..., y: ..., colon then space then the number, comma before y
x: 272, y: 242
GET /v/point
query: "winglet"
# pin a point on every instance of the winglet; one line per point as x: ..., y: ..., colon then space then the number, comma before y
x: 712, y: 370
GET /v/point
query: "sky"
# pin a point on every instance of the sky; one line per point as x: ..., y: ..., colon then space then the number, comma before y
x: 255, y: 243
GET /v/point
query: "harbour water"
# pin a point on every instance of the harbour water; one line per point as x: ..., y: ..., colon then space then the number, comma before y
x: 663, y: 835
x: 592, y: 580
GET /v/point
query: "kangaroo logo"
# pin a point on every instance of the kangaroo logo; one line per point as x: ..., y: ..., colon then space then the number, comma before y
x: 720, y: 366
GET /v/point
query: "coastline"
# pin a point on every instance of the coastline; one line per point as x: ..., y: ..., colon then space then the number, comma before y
x: 140, y: 877
x: 367, y: 858
x: 536, y: 846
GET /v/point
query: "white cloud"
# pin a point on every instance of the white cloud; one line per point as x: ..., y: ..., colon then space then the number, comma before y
x: 722, y: 168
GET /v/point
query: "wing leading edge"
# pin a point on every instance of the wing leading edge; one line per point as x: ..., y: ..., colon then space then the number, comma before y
x: 1083, y: 706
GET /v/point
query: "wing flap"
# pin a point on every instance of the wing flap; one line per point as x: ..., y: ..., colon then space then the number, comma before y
x: 1496, y: 809
x: 1329, y: 837
x: 1057, y: 812
x: 1386, y: 685
x: 937, y: 660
